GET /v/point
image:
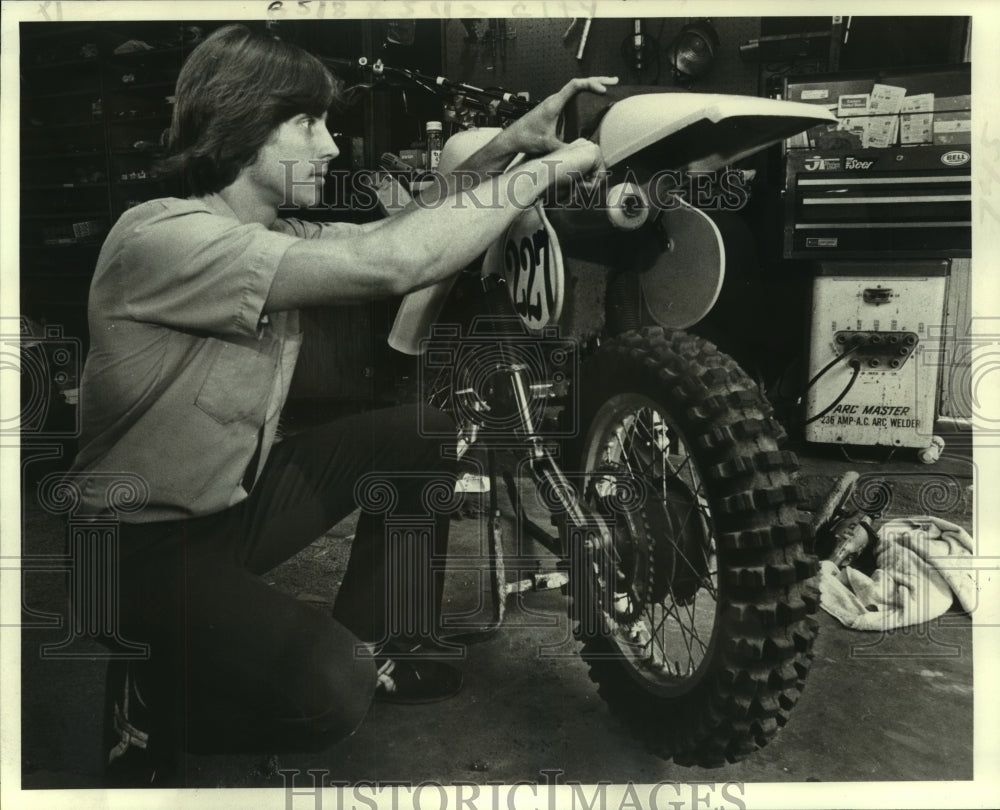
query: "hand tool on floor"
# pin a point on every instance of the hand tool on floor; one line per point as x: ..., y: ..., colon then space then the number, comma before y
x: 847, y: 530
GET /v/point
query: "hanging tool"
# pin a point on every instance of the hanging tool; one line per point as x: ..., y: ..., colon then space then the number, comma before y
x: 494, y: 35
x: 471, y: 34
x: 583, y: 36
x: 638, y: 45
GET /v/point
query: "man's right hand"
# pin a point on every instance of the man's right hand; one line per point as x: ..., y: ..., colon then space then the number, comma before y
x: 576, y: 161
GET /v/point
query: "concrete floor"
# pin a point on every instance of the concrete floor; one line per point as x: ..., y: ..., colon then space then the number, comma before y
x: 895, y: 707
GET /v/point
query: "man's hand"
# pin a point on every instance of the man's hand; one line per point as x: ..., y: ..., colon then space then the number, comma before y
x: 535, y: 132
x: 576, y: 161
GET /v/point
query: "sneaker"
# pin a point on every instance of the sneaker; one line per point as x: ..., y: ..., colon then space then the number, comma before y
x: 416, y: 680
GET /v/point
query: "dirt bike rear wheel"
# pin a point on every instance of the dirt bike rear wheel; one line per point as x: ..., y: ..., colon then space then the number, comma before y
x: 694, y: 611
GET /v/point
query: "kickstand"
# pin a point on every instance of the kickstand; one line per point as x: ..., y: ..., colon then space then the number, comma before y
x: 498, y: 572
x: 498, y: 575
x: 500, y: 589
x: 532, y: 529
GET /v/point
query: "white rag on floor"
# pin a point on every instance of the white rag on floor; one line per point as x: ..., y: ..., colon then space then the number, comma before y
x: 923, y: 565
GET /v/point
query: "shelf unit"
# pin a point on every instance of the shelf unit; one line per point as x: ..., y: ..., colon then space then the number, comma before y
x: 84, y: 117
x: 84, y: 108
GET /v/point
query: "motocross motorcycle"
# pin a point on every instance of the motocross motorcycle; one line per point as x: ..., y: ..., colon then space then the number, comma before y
x: 678, y: 530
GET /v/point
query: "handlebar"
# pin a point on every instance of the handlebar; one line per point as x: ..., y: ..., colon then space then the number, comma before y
x: 496, y: 101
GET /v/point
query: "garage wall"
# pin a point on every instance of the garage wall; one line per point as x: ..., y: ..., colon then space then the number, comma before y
x: 537, y: 58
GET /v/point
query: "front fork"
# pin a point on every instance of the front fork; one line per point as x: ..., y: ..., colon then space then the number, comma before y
x: 577, y: 523
x: 544, y: 469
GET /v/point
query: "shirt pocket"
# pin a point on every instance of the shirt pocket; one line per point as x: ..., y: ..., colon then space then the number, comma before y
x: 238, y: 382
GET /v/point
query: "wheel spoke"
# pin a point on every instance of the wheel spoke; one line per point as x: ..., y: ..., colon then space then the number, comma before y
x: 677, y: 471
x: 654, y: 631
x: 701, y: 509
x: 643, y: 444
x: 672, y: 612
x: 690, y: 633
x: 638, y: 432
x: 709, y: 580
x: 624, y: 451
x: 685, y: 636
x: 690, y: 609
x: 659, y: 626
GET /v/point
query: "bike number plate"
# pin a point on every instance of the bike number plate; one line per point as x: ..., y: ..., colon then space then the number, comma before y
x: 530, y: 260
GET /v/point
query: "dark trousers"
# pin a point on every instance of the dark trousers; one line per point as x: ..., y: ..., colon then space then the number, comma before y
x: 234, y: 658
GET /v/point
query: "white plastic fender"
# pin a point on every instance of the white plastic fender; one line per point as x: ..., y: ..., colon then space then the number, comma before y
x: 420, y: 309
x: 728, y: 127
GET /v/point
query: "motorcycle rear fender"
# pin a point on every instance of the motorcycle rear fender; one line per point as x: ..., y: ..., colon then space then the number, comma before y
x: 701, y: 131
x: 694, y: 131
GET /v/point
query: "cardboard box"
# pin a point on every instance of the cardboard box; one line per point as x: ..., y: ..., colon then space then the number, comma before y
x: 415, y: 157
x: 953, y: 127
x: 952, y: 103
x: 853, y: 104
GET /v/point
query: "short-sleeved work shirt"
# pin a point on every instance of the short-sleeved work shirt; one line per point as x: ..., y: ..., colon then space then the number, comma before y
x: 186, y: 376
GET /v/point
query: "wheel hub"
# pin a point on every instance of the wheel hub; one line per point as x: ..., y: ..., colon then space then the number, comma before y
x: 662, y: 545
x: 679, y: 542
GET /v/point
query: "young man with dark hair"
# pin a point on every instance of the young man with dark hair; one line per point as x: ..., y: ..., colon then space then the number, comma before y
x: 194, y: 337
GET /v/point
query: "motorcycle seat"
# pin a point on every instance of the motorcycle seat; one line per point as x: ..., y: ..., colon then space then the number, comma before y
x: 583, y: 114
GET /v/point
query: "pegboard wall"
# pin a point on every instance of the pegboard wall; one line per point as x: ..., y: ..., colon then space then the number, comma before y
x: 536, y: 57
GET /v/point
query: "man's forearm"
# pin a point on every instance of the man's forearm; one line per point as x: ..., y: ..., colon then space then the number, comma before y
x: 428, y: 244
x: 488, y: 161
x: 494, y: 157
